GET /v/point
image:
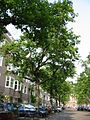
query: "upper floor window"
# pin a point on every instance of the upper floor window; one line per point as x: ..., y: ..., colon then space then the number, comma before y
x: 2, y: 42
x: 19, y: 85
x: 27, y: 81
x: 7, y: 83
x: 10, y: 67
x: 24, y: 89
x: 12, y: 82
x: 1, y: 60
x: 16, y: 85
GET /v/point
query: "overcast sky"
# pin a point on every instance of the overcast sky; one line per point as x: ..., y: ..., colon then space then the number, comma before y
x: 81, y: 26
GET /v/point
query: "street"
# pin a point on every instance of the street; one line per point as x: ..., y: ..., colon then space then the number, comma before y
x: 70, y: 115
x: 65, y: 115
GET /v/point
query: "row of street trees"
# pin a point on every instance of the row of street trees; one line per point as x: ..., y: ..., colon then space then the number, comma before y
x: 46, y: 52
x: 83, y: 83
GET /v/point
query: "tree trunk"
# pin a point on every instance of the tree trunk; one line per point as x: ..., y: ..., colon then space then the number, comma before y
x: 37, y: 94
x: 56, y: 103
x: 51, y: 102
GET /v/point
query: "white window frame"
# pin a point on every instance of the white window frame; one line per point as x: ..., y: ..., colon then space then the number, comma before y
x: 9, y: 67
x: 16, y: 85
x: 2, y: 42
x: 19, y: 86
x: 1, y: 60
x: 11, y: 82
x: 7, y: 80
x: 25, y: 89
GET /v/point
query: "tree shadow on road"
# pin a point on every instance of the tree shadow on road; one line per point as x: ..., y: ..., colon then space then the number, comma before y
x: 65, y: 115
x: 88, y: 114
x: 68, y: 115
x: 74, y: 115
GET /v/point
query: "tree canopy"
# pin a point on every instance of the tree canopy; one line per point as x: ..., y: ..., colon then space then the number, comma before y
x: 83, y: 83
x: 48, y: 49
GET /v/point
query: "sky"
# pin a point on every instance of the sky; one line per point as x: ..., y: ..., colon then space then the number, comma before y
x: 80, y: 27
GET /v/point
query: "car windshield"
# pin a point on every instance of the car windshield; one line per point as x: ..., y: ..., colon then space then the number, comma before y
x: 42, y: 108
x: 21, y: 107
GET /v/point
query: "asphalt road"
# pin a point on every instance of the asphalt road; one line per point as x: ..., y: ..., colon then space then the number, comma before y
x: 70, y: 115
x: 64, y: 115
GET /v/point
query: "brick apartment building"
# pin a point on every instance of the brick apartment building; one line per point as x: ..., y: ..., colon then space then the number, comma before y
x: 9, y: 87
x: 12, y: 89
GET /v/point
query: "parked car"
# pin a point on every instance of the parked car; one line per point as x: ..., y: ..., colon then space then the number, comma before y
x: 26, y: 110
x: 5, y: 114
x: 13, y: 107
x: 80, y: 108
x: 59, y: 109
x: 54, y: 109
x: 42, y: 111
x: 88, y: 108
x: 49, y: 109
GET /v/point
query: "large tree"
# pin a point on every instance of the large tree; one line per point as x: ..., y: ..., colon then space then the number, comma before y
x: 47, y: 42
x: 29, y: 15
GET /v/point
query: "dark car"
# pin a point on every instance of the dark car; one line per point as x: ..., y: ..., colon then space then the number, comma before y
x: 42, y: 111
x: 88, y: 108
x: 80, y: 108
x: 13, y: 107
x: 5, y: 114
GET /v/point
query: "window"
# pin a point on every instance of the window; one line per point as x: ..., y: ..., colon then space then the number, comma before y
x: 7, y: 84
x: 12, y: 82
x: 16, y: 85
x: 2, y: 42
x: 25, y: 90
x: 19, y: 85
x: 27, y: 81
x: 10, y: 67
x: 22, y: 88
x: 1, y: 60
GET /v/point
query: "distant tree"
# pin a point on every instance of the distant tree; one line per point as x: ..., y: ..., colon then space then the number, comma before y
x: 56, y: 86
x: 65, y: 92
x: 83, y: 83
